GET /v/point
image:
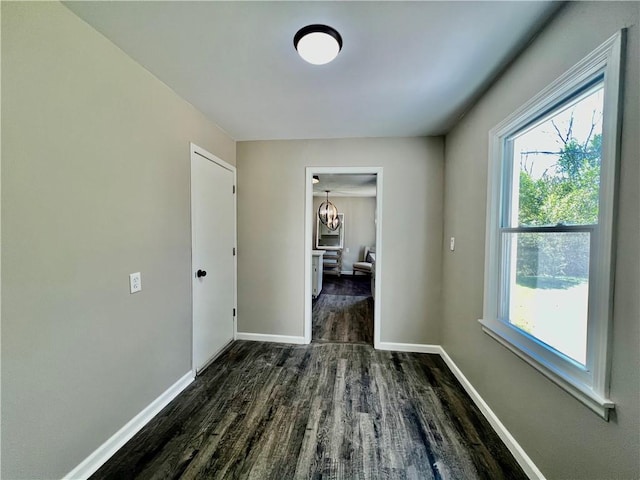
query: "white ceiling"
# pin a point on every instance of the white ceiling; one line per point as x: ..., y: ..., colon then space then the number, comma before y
x: 405, y: 69
x: 345, y: 185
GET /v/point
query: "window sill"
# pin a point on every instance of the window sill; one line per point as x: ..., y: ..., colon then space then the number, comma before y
x: 598, y: 404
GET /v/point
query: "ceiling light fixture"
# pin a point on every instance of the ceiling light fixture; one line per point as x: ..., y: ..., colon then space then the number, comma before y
x: 318, y: 44
x: 328, y: 214
x: 316, y: 179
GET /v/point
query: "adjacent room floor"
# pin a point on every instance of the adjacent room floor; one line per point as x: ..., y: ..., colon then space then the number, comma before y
x: 325, y: 410
x: 343, y: 312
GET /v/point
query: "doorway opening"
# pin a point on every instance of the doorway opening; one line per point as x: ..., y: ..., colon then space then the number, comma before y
x: 343, y: 268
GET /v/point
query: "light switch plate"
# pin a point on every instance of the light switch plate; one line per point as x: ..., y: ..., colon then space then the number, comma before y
x: 135, y: 282
x: 452, y: 244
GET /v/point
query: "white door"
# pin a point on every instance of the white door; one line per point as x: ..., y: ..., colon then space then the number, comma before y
x: 213, y: 228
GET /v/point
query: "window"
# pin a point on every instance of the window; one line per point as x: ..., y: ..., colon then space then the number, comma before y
x: 550, y: 221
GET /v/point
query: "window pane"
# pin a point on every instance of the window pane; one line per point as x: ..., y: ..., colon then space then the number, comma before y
x: 548, y: 286
x: 556, y: 166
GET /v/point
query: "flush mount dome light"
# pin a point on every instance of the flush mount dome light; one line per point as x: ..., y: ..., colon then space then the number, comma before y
x: 317, y: 44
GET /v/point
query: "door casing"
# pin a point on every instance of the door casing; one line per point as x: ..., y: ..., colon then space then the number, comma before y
x: 308, y: 242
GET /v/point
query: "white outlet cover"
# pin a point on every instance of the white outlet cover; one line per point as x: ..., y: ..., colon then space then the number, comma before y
x: 135, y: 282
x: 452, y: 244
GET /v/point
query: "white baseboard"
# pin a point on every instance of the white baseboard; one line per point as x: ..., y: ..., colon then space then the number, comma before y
x: 104, y: 452
x: 409, y: 347
x: 265, y: 337
x: 514, y: 447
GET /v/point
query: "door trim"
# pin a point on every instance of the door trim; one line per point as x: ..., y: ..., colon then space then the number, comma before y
x: 196, y: 150
x: 308, y: 241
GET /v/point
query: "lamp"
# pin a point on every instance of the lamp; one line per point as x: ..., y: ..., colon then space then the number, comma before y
x: 317, y: 44
x: 328, y: 213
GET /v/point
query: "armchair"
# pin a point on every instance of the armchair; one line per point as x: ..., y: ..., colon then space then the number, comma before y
x: 364, y: 266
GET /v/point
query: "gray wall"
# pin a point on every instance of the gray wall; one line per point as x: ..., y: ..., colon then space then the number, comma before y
x: 563, y: 437
x: 271, y: 225
x: 360, y: 226
x: 95, y: 185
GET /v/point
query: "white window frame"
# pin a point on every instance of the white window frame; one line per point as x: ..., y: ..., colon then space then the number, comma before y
x: 589, y: 383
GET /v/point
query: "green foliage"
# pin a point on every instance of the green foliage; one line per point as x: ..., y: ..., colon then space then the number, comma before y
x: 533, y: 194
x: 566, y: 194
x: 550, y: 257
x: 550, y: 283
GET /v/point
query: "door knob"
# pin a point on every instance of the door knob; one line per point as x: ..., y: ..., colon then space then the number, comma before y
x: 201, y: 273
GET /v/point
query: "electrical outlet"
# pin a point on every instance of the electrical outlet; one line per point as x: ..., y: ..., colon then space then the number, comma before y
x: 452, y: 244
x: 135, y: 282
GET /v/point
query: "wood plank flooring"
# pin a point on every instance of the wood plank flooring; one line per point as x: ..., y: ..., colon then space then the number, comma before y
x: 343, y: 312
x: 342, y: 318
x: 319, y: 411
x: 358, y: 285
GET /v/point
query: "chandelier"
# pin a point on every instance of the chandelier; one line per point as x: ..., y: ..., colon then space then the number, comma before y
x: 328, y: 214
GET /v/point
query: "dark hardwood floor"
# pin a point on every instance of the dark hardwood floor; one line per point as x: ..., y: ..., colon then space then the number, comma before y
x: 319, y: 411
x: 357, y: 285
x: 343, y: 312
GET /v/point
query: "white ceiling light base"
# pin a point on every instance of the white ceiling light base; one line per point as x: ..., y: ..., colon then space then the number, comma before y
x: 317, y: 44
